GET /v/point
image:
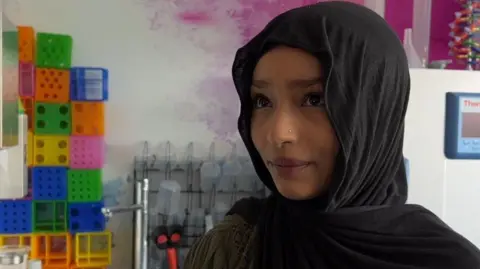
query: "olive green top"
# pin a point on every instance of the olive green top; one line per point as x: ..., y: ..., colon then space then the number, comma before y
x: 227, y: 246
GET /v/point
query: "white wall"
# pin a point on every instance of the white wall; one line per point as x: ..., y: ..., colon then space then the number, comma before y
x: 170, y: 81
x: 450, y: 188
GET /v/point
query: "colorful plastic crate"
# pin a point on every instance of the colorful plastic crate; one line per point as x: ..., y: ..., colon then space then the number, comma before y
x: 88, y: 84
x: 52, y: 119
x: 93, y: 249
x: 27, y: 79
x: 85, y: 217
x: 88, y: 118
x: 49, y: 183
x: 49, y: 216
x: 61, y: 218
x: 54, y: 51
x: 87, y: 152
x: 26, y: 44
x: 53, y: 249
x: 15, y: 216
x: 51, y: 150
x: 52, y: 85
x: 85, y: 185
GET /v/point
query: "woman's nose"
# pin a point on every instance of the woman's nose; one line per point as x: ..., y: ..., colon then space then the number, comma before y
x: 282, y: 129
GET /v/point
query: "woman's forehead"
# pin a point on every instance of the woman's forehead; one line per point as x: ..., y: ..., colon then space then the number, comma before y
x: 288, y: 64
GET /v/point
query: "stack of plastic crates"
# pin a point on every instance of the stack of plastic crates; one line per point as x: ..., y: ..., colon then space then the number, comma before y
x: 61, y: 219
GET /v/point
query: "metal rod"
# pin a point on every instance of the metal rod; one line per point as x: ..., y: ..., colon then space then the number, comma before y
x: 110, y: 211
x: 145, y: 223
x: 138, y: 226
x: 140, y: 208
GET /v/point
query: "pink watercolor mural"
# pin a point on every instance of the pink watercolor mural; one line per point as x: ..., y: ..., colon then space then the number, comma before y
x: 221, y: 112
x: 195, y: 17
x: 238, y: 21
x: 215, y: 104
x: 243, y: 19
x: 250, y: 15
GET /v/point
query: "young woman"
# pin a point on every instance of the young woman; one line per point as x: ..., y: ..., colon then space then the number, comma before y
x: 324, y: 91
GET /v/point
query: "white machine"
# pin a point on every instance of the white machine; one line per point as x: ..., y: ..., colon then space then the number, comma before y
x: 441, y: 144
x: 13, y: 127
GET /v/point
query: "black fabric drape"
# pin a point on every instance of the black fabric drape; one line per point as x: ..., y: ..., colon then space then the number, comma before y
x: 362, y: 221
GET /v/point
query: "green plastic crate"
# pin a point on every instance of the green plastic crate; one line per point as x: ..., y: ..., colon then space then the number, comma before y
x: 84, y: 185
x: 52, y: 119
x: 49, y: 216
x: 54, y: 51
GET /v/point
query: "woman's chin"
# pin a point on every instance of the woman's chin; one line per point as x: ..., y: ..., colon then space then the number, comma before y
x: 296, y: 194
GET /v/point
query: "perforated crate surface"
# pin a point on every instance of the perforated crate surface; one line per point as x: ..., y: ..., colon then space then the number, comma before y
x: 15, y: 217
x: 86, y: 217
x: 85, y: 185
x: 52, y: 119
x: 87, y: 152
x: 49, y: 183
x: 54, y: 50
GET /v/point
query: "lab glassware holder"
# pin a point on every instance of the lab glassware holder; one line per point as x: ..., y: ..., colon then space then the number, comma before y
x: 184, y: 201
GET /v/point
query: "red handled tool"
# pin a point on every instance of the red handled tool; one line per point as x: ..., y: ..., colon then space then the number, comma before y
x: 169, y: 238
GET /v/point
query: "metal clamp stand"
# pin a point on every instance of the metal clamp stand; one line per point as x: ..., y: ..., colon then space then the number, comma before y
x: 140, y: 207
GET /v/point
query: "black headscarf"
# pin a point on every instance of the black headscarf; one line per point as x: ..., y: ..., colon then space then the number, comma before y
x: 362, y: 221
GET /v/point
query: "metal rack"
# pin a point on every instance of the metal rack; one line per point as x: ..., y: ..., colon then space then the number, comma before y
x: 140, y: 208
x: 195, y: 202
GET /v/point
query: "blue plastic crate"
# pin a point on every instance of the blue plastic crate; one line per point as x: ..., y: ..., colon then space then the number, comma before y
x: 15, y: 216
x: 88, y: 84
x: 49, y: 183
x: 86, y: 217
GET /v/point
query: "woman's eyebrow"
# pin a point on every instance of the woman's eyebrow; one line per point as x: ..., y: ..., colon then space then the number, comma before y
x: 259, y: 83
x: 304, y: 82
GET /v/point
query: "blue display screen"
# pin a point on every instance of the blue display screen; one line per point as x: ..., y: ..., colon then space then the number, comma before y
x: 470, y: 117
x: 462, y: 125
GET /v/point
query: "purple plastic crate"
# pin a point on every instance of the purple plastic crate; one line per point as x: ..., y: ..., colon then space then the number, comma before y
x: 26, y: 79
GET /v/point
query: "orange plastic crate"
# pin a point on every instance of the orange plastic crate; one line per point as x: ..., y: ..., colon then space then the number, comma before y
x: 26, y: 44
x: 52, y: 85
x: 88, y: 118
x: 80, y: 267
x: 55, y: 250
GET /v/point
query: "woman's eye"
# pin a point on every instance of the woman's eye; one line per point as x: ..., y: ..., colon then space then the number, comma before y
x: 260, y: 102
x: 314, y: 99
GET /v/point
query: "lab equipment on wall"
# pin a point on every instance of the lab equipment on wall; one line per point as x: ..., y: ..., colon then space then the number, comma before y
x: 59, y: 223
x: 462, y: 125
x: 188, y: 195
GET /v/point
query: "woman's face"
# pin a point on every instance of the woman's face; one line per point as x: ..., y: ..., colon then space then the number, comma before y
x: 290, y: 126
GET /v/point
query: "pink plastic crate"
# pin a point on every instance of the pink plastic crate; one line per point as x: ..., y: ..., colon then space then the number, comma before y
x: 27, y: 79
x: 87, y: 152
